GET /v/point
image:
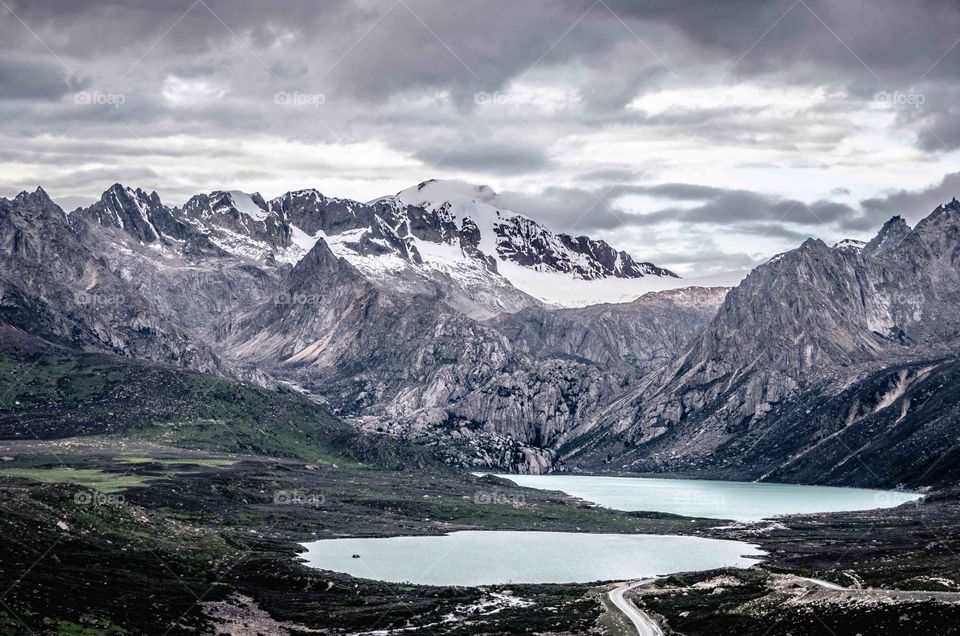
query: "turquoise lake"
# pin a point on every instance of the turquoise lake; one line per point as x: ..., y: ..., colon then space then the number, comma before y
x: 492, y: 557
x: 739, y: 501
x: 498, y: 557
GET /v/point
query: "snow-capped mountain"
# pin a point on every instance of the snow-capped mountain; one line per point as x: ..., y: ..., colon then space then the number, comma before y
x: 448, y: 236
x: 442, y: 238
x: 239, y: 223
x: 555, y: 268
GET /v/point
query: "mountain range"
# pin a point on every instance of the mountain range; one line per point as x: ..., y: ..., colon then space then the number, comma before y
x: 439, y: 316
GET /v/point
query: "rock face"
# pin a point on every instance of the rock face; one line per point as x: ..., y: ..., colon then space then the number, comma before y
x: 637, y: 336
x: 53, y: 286
x: 412, y: 366
x: 801, y: 356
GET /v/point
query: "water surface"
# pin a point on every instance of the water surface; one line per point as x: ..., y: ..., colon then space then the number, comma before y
x: 491, y: 557
x: 740, y: 501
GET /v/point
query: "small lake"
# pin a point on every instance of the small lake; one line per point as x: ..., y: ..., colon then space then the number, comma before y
x: 492, y: 557
x: 739, y: 501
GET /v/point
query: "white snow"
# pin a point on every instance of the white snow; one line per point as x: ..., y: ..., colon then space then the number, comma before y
x: 432, y: 194
x: 475, y: 202
x: 245, y: 205
x: 302, y: 240
x: 555, y: 288
x: 850, y: 244
x: 482, y: 291
x: 561, y: 289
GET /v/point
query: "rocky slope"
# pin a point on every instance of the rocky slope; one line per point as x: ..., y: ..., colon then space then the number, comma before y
x: 412, y: 366
x: 639, y: 335
x: 181, y: 271
x: 790, y: 377
x: 53, y: 286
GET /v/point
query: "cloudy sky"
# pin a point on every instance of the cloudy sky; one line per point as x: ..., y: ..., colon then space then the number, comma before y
x: 702, y: 135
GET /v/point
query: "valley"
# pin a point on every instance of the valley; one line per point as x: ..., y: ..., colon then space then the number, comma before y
x: 190, y: 395
x: 182, y: 539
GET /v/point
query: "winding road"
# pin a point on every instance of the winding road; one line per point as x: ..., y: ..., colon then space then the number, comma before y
x: 879, y: 593
x: 645, y: 625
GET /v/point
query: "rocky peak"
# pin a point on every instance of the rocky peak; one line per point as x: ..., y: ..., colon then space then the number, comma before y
x: 312, y: 212
x: 890, y: 235
x: 953, y: 206
x: 944, y: 216
x: 320, y: 268
x: 126, y: 209
x: 38, y: 201
x: 37, y: 196
x: 140, y: 215
x: 240, y: 223
x: 798, y: 331
x: 935, y: 244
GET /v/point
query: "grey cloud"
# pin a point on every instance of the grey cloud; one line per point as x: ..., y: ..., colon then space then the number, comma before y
x: 899, y: 41
x: 567, y: 210
x: 376, y: 49
x: 764, y: 230
x: 912, y: 205
x: 65, y: 184
x: 22, y: 79
x: 675, y: 191
x: 732, y: 206
x: 724, y: 211
x: 151, y: 28
x: 610, y: 175
x: 938, y: 129
x: 486, y: 157
x: 705, y: 258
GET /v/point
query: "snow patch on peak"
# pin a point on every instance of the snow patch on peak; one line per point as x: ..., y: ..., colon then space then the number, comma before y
x: 852, y: 245
x: 245, y: 204
x: 432, y: 194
